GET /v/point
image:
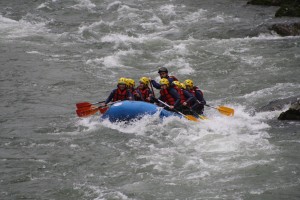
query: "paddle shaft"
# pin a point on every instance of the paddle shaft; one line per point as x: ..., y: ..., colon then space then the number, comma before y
x: 195, y: 113
x: 206, y: 105
x: 222, y: 109
x: 88, y: 111
x: 173, y: 108
x: 87, y: 104
x: 210, y: 106
x: 152, y: 89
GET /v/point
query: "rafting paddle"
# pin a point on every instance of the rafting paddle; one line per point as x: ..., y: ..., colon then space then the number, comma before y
x: 152, y: 89
x: 87, y: 111
x: 86, y: 104
x: 222, y: 109
x: 189, y: 117
x: 91, y: 110
x: 195, y: 113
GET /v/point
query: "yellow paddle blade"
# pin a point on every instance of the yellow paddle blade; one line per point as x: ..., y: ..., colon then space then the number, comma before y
x: 192, y: 118
x: 202, y: 117
x: 226, y: 111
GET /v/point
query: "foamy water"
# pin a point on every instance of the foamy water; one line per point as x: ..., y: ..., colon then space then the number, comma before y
x: 56, y: 53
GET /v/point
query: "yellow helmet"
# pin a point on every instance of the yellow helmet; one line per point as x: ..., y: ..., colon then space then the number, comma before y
x: 144, y: 80
x: 177, y: 83
x: 130, y: 82
x: 189, y: 83
x: 122, y: 80
x: 182, y: 86
x: 164, y: 81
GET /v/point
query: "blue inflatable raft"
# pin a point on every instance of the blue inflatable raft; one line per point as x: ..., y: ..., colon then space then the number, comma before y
x: 129, y: 110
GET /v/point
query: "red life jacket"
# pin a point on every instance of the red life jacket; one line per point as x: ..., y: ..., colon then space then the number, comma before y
x: 143, y: 92
x: 120, y: 95
x: 180, y: 92
x: 193, y: 91
x: 167, y: 97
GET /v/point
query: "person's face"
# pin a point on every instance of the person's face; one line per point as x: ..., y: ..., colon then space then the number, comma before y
x: 164, y: 87
x: 142, y: 85
x: 163, y: 74
x: 122, y: 86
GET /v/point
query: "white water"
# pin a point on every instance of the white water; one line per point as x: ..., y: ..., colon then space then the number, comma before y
x: 56, y: 53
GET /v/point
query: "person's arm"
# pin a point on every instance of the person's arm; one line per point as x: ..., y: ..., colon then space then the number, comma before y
x: 173, y: 92
x: 129, y: 95
x: 200, y: 97
x: 172, y: 78
x: 138, y: 95
x: 155, y: 84
x: 110, y: 97
x: 150, y: 94
x: 189, y: 97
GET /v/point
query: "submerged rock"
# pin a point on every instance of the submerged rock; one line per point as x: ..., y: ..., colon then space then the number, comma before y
x: 266, y: 2
x: 278, y: 104
x: 287, y: 29
x: 290, y: 8
x: 293, y: 113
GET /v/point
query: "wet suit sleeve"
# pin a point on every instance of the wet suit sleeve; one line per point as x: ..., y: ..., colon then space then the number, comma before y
x: 200, y: 97
x: 150, y: 92
x: 137, y: 95
x: 129, y: 95
x: 110, y: 97
x: 176, y: 96
x: 171, y: 79
x: 155, y: 84
x: 189, y: 97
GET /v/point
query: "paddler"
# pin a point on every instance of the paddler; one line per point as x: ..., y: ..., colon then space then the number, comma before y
x: 186, y: 97
x: 143, y: 92
x: 130, y: 83
x: 163, y: 73
x: 198, y: 94
x: 168, y: 95
x: 121, y: 93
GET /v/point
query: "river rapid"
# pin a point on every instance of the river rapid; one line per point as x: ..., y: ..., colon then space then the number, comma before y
x: 56, y: 53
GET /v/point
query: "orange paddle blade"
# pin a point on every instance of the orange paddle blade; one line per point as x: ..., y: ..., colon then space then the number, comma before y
x: 86, y: 108
x: 103, y: 109
x: 86, y: 104
x: 87, y: 112
x: 83, y: 104
x: 226, y: 111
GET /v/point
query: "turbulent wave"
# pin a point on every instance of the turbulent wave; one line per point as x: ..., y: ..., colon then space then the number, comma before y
x: 17, y: 29
x: 186, y: 152
x: 56, y: 53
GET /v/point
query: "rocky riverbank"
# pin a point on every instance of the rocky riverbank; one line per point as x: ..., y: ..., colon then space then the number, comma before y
x: 288, y: 8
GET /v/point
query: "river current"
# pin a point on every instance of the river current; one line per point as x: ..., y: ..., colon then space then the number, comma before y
x: 55, y: 53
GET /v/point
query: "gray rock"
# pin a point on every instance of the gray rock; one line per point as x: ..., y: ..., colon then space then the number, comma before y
x: 278, y: 104
x: 292, y: 10
x: 287, y: 29
x: 289, y: 8
x: 273, y: 2
x: 265, y: 2
x: 293, y: 113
